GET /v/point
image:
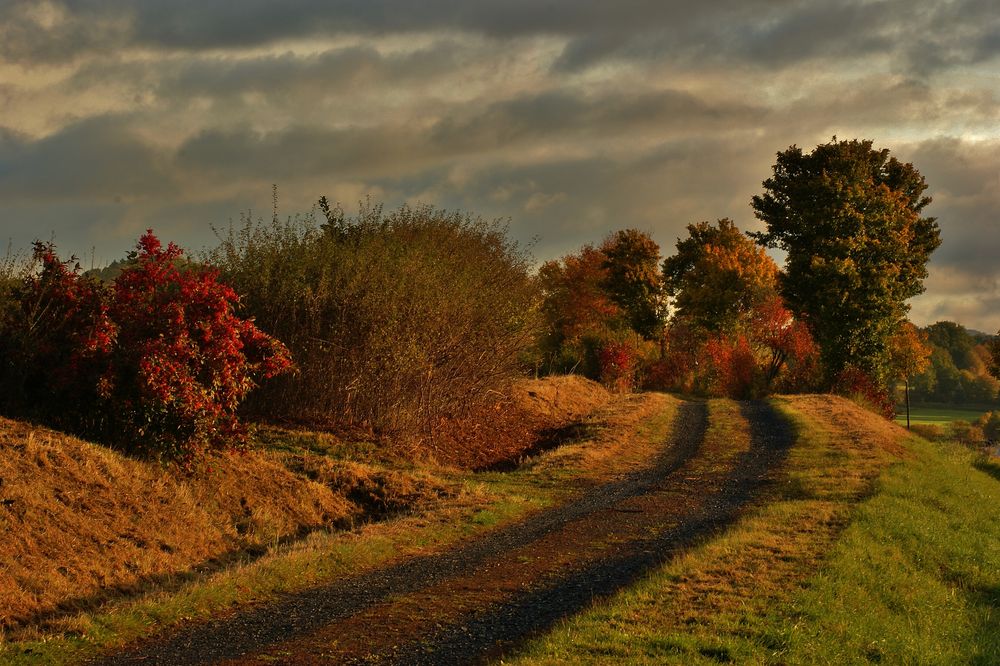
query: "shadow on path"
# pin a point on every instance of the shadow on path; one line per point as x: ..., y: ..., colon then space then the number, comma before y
x: 254, y: 630
x: 487, y: 635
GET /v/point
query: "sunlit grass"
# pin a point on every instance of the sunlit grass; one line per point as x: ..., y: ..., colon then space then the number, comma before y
x: 939, y: 415
x: 491, y: 500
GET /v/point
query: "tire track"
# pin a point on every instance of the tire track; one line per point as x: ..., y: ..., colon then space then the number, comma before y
x: 488, y: 635
x: 255, y: 630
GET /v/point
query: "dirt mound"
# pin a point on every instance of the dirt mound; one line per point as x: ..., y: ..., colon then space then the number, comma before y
x: 374, y: 492
x: 80, y: 523
x: 559, y: 398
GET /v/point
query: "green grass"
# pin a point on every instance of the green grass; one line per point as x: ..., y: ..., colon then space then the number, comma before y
x: 909, y: 575
x: 939, y: 415
x: 916, y: 577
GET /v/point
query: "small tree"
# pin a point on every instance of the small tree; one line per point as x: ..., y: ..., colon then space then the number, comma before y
x: 909, y: 355
x: 633, y: 280
x: 717, y: 276
x: 850, y: 219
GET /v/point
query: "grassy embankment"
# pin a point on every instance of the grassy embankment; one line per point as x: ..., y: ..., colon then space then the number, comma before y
x: 616, y: 438
x: 875, y: 547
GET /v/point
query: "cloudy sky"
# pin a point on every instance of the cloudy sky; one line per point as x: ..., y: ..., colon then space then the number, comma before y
x: 570, y: 117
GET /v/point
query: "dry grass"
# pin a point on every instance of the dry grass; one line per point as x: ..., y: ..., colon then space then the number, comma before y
x: 81, y: 524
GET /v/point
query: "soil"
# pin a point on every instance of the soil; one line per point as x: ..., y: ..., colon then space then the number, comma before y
x: 480, y: 600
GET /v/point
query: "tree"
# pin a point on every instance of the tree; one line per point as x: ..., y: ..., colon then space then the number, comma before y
x: 718, y: 276
x: 633, y: 281
x: 849, y: 218
x: 956, y: 340
x: 574, y: 299
x: 909, y: 352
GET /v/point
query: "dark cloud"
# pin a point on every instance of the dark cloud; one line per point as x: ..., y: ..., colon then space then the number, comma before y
x: 93, y: 160
x: 570, y: 117
x: 923, y: 36
x: 339, y: 71
x: 560, y: 113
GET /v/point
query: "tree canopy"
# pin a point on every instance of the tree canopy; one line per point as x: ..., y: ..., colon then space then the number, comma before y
x: 717, y: 276
x: 633, y: 279
x: 850, y: 219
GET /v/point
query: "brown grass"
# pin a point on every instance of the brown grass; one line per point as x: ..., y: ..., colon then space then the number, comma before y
x: 512, y: 425
x: 80, y: 524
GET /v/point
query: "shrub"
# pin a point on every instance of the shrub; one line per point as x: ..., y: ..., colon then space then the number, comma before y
x: 990, y: 424
x: 966, y: 433
x: 728, y: 366
x: 184, y: 361
x: 859, y: 386
x: 618, y: 362
x: 56, y: 340
x: 157, y: 363
x: 929, y: 431
x: 396, y: 320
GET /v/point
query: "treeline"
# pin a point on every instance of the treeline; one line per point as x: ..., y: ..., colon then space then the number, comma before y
x: 728, y: 332
x: 958, y: 366
x: 403, y: 322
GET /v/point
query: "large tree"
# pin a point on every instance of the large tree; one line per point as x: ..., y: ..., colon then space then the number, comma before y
x: 850, y: 219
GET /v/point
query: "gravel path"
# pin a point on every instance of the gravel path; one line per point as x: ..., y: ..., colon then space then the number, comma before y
x: 493, y: 629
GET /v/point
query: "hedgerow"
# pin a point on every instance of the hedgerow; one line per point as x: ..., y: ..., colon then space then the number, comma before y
x: 397, y: 320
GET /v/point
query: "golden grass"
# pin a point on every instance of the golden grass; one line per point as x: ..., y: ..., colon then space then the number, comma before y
x: 81, y: 523
x: 560, y: 397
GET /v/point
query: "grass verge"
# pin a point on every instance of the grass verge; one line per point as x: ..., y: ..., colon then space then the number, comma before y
x: 873, y: 547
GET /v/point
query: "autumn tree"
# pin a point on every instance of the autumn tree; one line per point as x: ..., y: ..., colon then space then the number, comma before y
x: 717, y: 276
x: 850, y: 219
x: 909, y: 352
x: 633, y: 280
x: 574, y: 298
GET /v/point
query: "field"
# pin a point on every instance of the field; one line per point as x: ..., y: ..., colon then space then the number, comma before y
x: 939, y: 415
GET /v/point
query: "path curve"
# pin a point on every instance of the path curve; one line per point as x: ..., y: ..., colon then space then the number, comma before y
x: 296, y: 628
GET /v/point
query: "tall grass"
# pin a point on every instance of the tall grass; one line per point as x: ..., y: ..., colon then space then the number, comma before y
x: 395, y: 320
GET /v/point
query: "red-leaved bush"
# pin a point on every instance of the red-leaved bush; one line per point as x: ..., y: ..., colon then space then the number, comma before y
x: 618, y: 362
x: 859, y: 386
x: 728, y: 367
x: 156, y: 364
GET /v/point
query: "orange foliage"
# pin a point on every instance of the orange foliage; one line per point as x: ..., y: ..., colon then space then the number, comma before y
x: 576, y: 301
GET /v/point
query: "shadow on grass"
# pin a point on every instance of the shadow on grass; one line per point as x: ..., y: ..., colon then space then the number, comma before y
x: 169, y: 582
x: 987, y: 466
x: 988, y: 631
x: 548, y: 439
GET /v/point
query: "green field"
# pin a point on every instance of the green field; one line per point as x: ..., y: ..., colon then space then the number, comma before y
x: 939, y: 415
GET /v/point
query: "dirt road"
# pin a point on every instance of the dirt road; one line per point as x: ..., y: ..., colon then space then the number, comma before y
x: 478, y: 601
